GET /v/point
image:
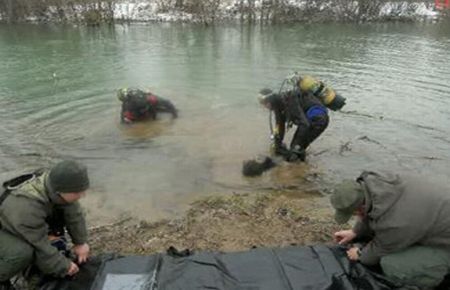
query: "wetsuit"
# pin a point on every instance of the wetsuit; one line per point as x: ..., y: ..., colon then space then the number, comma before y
x: 303, y: 110
x: 139, y: 105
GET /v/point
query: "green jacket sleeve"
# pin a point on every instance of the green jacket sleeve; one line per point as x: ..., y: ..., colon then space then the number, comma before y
x: 75, y: 223
x: 33, y: 229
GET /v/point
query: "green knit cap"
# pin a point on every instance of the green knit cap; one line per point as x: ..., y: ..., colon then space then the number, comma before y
x: 68, y: 176
x: 348, y: 196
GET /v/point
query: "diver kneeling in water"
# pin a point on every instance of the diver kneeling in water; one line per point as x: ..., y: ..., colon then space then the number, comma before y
x: 138, y: 105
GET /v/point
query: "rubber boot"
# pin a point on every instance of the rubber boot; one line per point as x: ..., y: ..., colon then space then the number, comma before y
x: 296, y: 154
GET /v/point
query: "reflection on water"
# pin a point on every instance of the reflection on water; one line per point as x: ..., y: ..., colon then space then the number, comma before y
x: 57, y: 100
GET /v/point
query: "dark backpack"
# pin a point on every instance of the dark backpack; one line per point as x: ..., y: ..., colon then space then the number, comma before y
x: 15, y: 182
x: 54, y: 221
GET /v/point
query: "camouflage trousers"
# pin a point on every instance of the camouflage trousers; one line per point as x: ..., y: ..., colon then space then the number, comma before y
x: 420, y: 266
x: 15, y: 255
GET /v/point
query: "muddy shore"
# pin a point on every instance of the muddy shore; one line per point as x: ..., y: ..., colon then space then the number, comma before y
x: 226, y: 223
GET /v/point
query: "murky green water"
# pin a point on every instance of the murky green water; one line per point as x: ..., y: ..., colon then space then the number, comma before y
x: 57, y: 101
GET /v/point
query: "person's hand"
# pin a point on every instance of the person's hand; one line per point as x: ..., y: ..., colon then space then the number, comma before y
x: 274, y: 146
x: 353, y: 254
x: 73, y: 269
x: 82, y: 252
x: 344, y: 237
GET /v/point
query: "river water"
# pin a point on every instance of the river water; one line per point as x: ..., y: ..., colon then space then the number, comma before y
x: 57, y: 100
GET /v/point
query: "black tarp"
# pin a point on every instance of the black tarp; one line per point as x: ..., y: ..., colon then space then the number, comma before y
x: 307, y: 267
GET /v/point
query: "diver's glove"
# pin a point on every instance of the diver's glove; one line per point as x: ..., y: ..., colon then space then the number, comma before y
x: 277, y: 147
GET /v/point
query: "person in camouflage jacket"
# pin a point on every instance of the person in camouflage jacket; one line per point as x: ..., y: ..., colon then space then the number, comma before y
x: 27, y: 205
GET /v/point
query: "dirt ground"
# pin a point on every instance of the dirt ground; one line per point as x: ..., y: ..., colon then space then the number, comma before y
x: 226, y: 223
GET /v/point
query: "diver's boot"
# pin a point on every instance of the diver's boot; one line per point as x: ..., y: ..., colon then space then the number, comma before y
x: 301, y: 155
x: 298, y: 154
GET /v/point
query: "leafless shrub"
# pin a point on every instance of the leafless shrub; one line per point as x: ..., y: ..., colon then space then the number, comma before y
x: 167, y: 5
x: 310, y: 11
x: 206, y: 10
x: 13, y: 10
x: 247, y: 10
x: 88, y: 11
x: 358, y: 10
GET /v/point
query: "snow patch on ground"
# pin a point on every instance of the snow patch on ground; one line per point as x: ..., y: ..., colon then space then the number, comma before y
x: 408, y: 9
x: 147, y: 11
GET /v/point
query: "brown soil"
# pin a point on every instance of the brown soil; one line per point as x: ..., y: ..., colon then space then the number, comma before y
x: 226, y: 223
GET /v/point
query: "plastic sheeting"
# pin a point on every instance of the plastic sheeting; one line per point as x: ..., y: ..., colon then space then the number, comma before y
x: 309, y: 267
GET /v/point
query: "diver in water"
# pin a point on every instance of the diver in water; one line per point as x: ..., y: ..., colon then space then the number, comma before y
x: 138, y: 105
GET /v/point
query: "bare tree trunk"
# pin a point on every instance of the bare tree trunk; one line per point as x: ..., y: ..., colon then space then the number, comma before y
x: 241, y: 9
x: 10, y: 11
x: 251, y: 10
x: 179, y: 4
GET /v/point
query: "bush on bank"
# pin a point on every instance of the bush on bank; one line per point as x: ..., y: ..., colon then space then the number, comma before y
x: 94, y: 12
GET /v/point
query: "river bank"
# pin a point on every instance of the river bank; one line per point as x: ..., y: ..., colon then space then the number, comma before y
x: 252, y: 11
x: 226, y: 223
x: 277, y: 11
